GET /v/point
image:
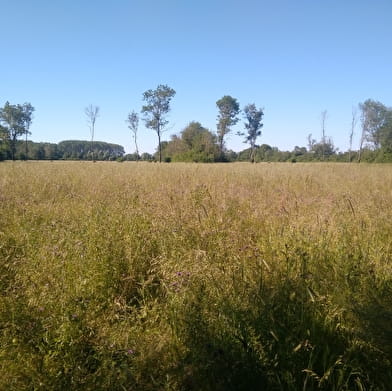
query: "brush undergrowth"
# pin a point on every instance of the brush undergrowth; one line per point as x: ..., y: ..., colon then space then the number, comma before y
x: 195, y: 277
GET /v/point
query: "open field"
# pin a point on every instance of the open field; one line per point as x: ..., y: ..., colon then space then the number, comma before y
x: 141, y: 276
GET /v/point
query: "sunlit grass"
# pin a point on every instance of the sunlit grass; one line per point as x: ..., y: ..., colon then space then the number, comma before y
x: 140, y: 276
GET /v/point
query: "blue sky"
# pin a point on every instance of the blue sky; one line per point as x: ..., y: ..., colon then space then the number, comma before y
x: 294, y: 58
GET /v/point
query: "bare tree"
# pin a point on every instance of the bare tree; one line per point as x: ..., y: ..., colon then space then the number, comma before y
x: 92, y: 113
x: 133, y: 125
x: 311, y: 142
x: 354, y: 120
x: 323, y: 139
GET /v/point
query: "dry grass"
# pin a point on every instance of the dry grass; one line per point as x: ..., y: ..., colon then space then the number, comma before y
x: 140, y: 276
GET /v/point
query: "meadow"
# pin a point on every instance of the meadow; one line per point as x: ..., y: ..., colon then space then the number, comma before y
x: 143, y: 276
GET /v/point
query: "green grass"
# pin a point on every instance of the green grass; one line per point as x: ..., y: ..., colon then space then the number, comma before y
x: 141, y: 276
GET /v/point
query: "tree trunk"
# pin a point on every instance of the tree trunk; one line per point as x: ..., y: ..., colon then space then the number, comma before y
x: 222, y: 155
x: 159, y: 147
x: 26, y: 148
x: 92, y: 143
x: 137, y: 149
x: 252, y: 152
x: 361, y: 146
x: 13, y: 147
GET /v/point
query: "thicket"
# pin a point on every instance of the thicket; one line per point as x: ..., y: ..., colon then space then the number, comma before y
x: 195, y: 277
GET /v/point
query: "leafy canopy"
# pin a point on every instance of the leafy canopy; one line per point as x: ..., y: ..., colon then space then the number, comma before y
x: 155, y: 110
x: 229, y: 109
x: 376, y: 121
x: 157, y: 106
x: 15, y: 121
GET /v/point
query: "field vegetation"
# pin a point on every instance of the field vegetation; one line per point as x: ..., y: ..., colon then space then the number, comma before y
x: 143, y: 276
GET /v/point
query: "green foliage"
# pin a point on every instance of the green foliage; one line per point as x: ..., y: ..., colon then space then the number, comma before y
x: 16, y: 121
x: 156, y: 109
x: 376, y: 121
x: 195, y: 144
x: 146, y: 157
x: 3, y: 143
x: 229, y: 109
x: 253, y: 125
x: 132, y: 157
x: 323, y: 149
x: 81, y: 150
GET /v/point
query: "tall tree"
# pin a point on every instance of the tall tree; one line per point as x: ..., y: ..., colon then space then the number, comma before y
x: 376, y: 120
x: 27, y: 110
x: 323, y: 137
x: 354, y: 120
x: 156, y: 109
x: 16, y: 120
x: 374, y: 117
x: 133, y: 125
x: 253, y: 127
x: 229, y: 109
x: 92, y: 113
x: 385, y: 131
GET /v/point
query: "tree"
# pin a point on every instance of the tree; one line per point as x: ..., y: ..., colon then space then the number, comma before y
x: 376, y: 120
x: 16, y: 120
x: 311, y: 142
x: 146, y: 157
x: 92, y: 113
x: 323, y: 149
x: 199, y: 143
x: 195, y: 144
x: 155, y: 110
x: 299, y: 151
x: 385, y: 132
x: 133, y: 125
x: 27, y: 110
x: 323, y: 139
x: 253, y: 125
x: 229, y: 109
x: 354, y: 120
x: 3, y: 141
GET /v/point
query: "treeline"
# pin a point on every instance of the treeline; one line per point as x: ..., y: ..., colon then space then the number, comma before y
x: 196, y: 143
x: 64, y: 150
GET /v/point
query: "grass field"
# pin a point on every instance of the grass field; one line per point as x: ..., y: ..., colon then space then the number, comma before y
x: 142, y: 276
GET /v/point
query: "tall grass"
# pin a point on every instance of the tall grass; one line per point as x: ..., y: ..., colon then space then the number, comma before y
x: 195, y: 277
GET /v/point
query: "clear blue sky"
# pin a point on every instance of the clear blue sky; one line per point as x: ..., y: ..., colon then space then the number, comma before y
x: 295, y: 58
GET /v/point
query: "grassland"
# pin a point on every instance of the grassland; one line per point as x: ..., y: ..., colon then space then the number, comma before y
x: 138, y: 276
